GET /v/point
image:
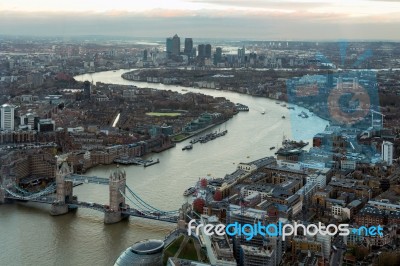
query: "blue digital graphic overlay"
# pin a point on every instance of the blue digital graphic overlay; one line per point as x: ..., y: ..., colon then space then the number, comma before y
x: 346, y: 96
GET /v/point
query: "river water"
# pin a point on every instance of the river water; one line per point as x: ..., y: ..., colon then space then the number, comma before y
x: 30, y: 236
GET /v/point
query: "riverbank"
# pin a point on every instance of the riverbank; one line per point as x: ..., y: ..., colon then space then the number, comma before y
x: 128, y: 77
x: 192, y: 134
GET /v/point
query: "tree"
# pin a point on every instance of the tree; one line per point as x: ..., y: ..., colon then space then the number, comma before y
x: 198, y: 205
x: 203, y: 183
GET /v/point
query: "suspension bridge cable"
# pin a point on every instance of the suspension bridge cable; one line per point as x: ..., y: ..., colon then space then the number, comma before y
x: 146, y: 212
x: 149, y: 206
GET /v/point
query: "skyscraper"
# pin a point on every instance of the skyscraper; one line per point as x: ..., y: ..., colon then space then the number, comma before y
x: 169, y: 47
x: 176, y: 45
x: 201, y: 51
x: 87, y: 89
x: 194, y: 52
x: 218, y: 55
x: 241, y: 54
x: 387, y: 152
x: 188, y: 46
x: 145, y: 55
x: 7, y: 117
x: 208, y: 51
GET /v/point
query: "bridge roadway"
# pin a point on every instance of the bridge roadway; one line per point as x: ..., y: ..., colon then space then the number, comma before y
x: 87, y: 179
x: 125, y: 211
x: 103, y: 208
x: 44, y: 199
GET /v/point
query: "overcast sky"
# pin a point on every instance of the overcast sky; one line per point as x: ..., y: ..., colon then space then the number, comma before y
x: 247, y: 19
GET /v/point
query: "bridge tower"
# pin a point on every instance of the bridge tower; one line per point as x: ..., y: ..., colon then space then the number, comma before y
x: 64, y: 190
x: 117, y: 201
x: 183, y: 218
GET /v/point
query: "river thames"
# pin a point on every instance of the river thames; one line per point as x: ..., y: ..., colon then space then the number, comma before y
x: 30, y: 236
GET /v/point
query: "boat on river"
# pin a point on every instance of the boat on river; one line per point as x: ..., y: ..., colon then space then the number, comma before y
x: 189, y: 191
x: 187, y: 147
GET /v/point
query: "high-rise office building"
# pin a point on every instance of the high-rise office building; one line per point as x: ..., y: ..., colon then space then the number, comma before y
x: 87, y: 89
x: 241, y: 53
x: 387, y: 152
x: 194, y: 52
x: 169, y: 47
x: 7, y: 117
x: 201, y: 48
x: 145, y: 55
x: 208, y: 51
x: 176, y: 45
x: 218, y: 55
x: 188, y: 46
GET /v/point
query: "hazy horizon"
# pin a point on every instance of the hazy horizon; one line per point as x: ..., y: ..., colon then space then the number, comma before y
x: 285, y: 20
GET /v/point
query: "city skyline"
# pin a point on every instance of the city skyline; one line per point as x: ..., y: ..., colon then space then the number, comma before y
x: 199, y: 126
x: 258, y: 20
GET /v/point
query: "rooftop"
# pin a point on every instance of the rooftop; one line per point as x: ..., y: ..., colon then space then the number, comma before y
x: 265, y: 188
x: 263, y: 162
x: 256, y: 251
x: 369, y: 210
x: 150, y: 246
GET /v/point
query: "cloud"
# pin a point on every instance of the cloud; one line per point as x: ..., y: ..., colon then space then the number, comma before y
x: 263, y: 3
x: 250, y: 24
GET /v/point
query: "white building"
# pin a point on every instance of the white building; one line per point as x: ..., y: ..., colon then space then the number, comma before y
x: 348, y: 164
x: 86, y: 156
x: 254, y: 165
x: 7, y: 117
x: 28, y: 120
x: 326, y: 241
x: 76, y: 129
x: 247, y: 167
x: 387, y: 152
x: 337, y: 211
x: 288, y: 164
x: 307, y: 191
x: 219, y: 249
x: 320, y: 179
x: 257, y: 256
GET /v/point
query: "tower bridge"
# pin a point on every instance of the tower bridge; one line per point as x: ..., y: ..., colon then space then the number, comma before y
x: 60, y: 196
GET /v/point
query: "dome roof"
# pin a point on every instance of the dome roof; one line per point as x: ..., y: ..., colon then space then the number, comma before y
x: 148, y: 246
x: 143, y: 253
